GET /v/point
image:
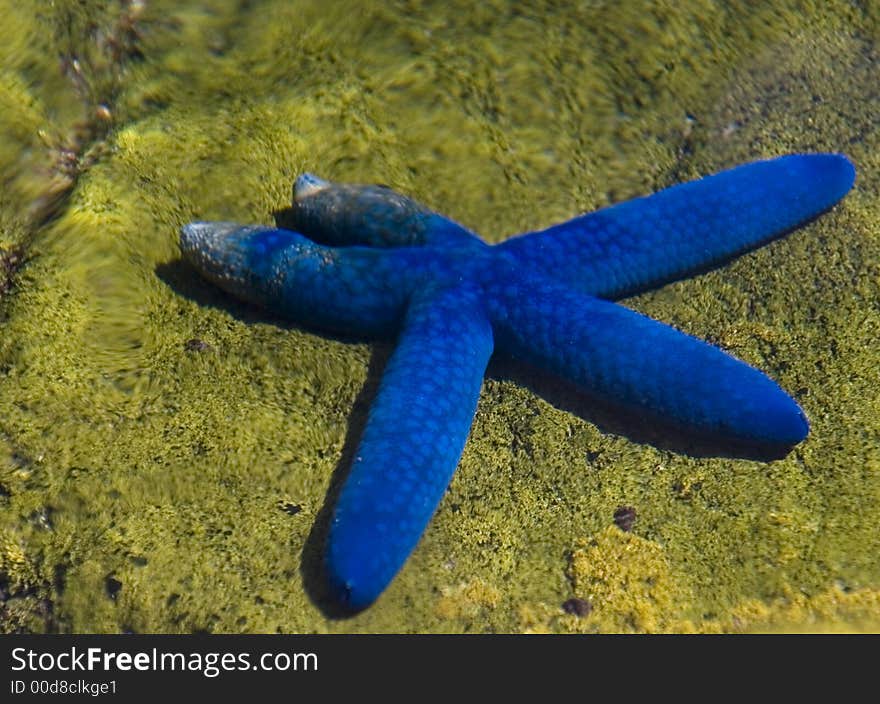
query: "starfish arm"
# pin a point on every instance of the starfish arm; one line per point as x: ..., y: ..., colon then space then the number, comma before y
x: 343, y: 214
x: 350, y: 290
x: 626, y: 358
x: 645, y: 242
x: 411, y: 443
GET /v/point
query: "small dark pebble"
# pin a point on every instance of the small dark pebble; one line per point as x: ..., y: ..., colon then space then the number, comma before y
x: 289, y: 508
x: 624, y: 518
x: 577, y: 607
x: 196, y: 345
x: 113, y: 586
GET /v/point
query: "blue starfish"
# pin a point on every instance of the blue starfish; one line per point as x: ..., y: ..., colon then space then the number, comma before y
x: 374, y: 263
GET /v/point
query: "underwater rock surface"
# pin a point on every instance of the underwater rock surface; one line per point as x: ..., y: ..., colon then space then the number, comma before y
x: 168, y: 452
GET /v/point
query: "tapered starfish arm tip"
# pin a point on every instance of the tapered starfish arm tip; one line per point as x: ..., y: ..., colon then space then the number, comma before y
x: 835, y: 174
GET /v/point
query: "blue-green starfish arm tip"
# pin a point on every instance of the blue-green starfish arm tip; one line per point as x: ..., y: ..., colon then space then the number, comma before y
x: 370, y: 261
x: 352, y: 290
x: 344, y: 214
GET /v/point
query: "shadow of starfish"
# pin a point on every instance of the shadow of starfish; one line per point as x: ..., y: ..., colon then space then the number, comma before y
x: 366, y: 261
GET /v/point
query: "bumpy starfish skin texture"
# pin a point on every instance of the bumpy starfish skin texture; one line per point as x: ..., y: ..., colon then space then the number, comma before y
x: 371, y: 262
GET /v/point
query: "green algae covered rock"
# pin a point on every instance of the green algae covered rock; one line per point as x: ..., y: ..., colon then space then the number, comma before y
x: 168, y: 453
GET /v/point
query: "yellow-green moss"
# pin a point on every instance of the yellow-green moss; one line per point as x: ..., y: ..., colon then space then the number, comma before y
x: 151, y: 487
x: 627, y: 580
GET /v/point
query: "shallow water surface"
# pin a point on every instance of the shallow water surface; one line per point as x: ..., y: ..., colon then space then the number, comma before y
x: 168, y: 452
